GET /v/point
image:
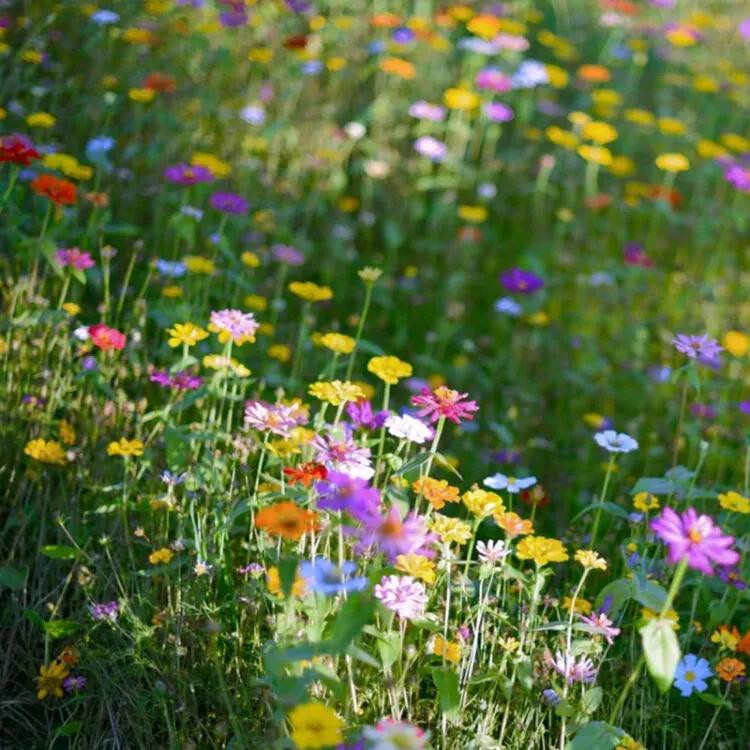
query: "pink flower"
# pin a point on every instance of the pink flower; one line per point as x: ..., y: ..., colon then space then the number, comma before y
x: 280, y: 419
x: 695, y: 537
x: 444, y: 402
x: 403, y: 595
x: 74, y: 256
x: 581, y: 670
x: 106, y: 338
x: 235, y: 325
x: 344, y: 456
x: 600, y: 624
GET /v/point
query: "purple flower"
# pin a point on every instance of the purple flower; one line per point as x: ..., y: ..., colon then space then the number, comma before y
x: 581, y: 670
x: 229, y: 203
x: 744, y: 28
x: 521, y: 282
x: 287, y: 254
x: 498, y: 112
x: 423, y: 110
x: 731, y: 576
x: 404, y: 35
x: 186, y: 381
x: 695, y: 538
x: 75, y: 257
x: 551, y: 698
x: 431, y: 148
x: 185, y: 174
x: 403, y: 595
x: 74, y: 683
x: 105, y: 610
x: 493, y: 79
x: 343, y: 492
x: 703, y: 411
x: 361, y: 413
x: 344, y: 456
x: 696, y: 347
x: 394, y: 535
x: 744, y: 407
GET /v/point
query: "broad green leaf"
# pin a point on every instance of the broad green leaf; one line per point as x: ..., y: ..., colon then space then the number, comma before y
x: 413, y: 463
x: 662, y: 651
x: 59, y: 551
x: 60, y: 628
x: 651, y: 595
x: 287, y: 573
x: 591, y: 700
x: 446, y: 682
x: 596, y: 735
x: 354, y: 615
x: 12, y: 578
x: 618, y: 592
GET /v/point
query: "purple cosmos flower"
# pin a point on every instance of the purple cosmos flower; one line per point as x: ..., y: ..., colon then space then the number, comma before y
x: 229, y: 203
x: 423, y: 110
x: 493, y: 79
x: 287, y: 254
x: 361, y: 413
x: 186, y: 174
x: 703, y: 411
x: 635, y: 255
x: 696, y: 347
x: 74, y: 683
x: 105, y: 610
x: 403, y: 595
x: 394, y: 535
x: 600, y: 624
x: 343, y: 492
x: 572, y: 669
x: 744, y: 28
x: 498, y: 112
x: 75, y: 257
x: 695, y: 538
x: 431, y: 148
x: 731, y: 576
x: 404, y: 35
x: 323, y: 577
x: 521, y: 282
x: 343, y: 456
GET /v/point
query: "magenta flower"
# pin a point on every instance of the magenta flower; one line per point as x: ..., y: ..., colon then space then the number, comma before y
x: 362, y: 415
x: 697, y: 347
x: 395, y: 536
x: 75, y: 257
x: 498, y: 112
x: 181, y: 381
x: 342, y: 492
x: 403, y: 595
x: 185, y: 174
x: 493, y: 79
x: 444, y: 402
x: 228, y: 203
x: 521, y: 282
x: 695, y: 538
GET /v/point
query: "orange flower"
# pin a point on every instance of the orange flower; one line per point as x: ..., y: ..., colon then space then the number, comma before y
x: 730, y: 669
x: 397, y: 66
x: 437, y: 491
x: 162, y: 82
x: 385, y: 20
x: 744, y: 645
x: 513, y: 525
x: 60, y: 192
x: 594, y: 73
x: 287, y: 519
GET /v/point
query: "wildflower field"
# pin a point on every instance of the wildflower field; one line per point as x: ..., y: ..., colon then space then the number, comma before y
x: 375, y: 375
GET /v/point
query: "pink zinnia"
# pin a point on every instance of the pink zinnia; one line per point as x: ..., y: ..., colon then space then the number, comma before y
x: 444, y: 402
x: 695, y: 537
x: 344, y: 456
x: 280, y: 419
x: 234, y: 324
x: 403, y: 595
x: 106, y: 338
x: 74, y: 256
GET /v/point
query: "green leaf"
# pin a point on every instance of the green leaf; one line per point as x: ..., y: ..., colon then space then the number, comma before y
x: 287, y: 574
x: 619, y: 593
x: 596, y: 735
x: 354, y: 615
x: 651, y: 595
x: 592, y: 699
x: 59, y: 551
x: 60, y: 628
x: 446, y: 682
x: 714, y: 700
x: 12, y: 578
x: 389, y: 648
x: 662, y: 651
x: 413, y: 463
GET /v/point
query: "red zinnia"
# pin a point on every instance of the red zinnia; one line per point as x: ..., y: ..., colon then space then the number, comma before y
x: 60, y: 192
x: 17, y: 149
x: 106, y: 338
x: 305, y: 474
x: 161, y: 82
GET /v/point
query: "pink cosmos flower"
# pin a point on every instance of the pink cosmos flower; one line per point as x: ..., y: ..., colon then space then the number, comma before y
x: 600, y: 624
x: 106, y: 338
x: 580, y: 670
x: 74, y: 256
x: 444, y: 402
x: 403, y: 595
x: 695, y: 537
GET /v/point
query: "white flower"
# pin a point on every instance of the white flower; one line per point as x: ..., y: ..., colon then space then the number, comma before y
x: 508, y: 306
x: 390, y: 734
x: 492, y: 552
x: 616, y: 442
x: 408, y: 428
x: 82, y: 333
x: 355, y: 130
x: 513, y: 484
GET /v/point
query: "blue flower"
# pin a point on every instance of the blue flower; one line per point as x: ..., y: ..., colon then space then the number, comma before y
x: 691, y: 674
x: 323, y: 577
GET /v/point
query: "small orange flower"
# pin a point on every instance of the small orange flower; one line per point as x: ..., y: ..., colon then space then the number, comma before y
x: 513, y: 525
x: 730, y: 669
x: 60, y: 192
x: 594, y: 73
x: 437, y: 491
x: 398, y: 67
x: 287, y: 519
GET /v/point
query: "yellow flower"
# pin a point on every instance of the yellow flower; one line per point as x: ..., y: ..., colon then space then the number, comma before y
x: 672, y: 163
x: 161, y: 556
x: 125, y: 448
x: 310, y: 292
x: 709, y: 150
x: 600, y: 133
x: 50, y: 679
x: 213, y: 164
x: 483, y: 503
x: 639, y: 116
x: 725, y: 638
x: 582, y: 605
x: 199, y: 264
x: 736, y: 343
x: 281, y: 352
x: 220, y: 362
x: 460, y: 98
x: 141, y: 95
x: 417, y: 566
x: 449, y: 650
x: 681, y: 37
x: 541, y: 550
x: 255, y: 302
x: 451, y: 530
x: 484, y: 26
x: 315, y: 726
x: 138, y: 36
x: 32, y: 56
x: 437, y: 491
x: 273, y: 583
x: 339, y: 343
x: 250, y: 259
x: 596, y: 154
x: 188, y: 334
x: 590, y: 560
x: 172, y: 291
x: 509, y: 644
x: 645, y: 501
x: 369, y: 274
x: 67, y: 433
x: 558, y: 77
x: 472, y: 214
x: 735, y: 142
x: 46, y: 451
x: 735, y: 502
x: 336, y: 392
x: 389, y: 369
x: 261, y: 55
x: 671, y: 126
x: 649, y: 614
x: 628, y: 743
x: 40, y: 120
x: 561, y: 137
x: 622, y: 166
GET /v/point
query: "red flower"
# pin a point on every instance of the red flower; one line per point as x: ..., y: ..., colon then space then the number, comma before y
x: 535, y: 496
x: 106, y: 338
x: 17, y: 149
x: 161, y: 82
x: 60, y: 192
x: 305, y: 474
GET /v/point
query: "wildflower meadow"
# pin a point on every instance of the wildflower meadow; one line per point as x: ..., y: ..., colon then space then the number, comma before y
x: 375, y: 375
